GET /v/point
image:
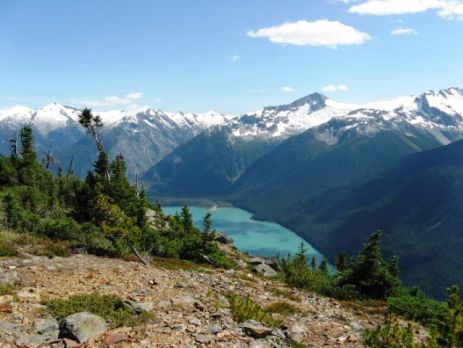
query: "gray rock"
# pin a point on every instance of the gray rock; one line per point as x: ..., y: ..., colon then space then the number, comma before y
x: 164, y: 304
x: 255, y: 329
x: 202, y: 339
x: 265, y: 270
x: 82, y: 327
x: 242, y: 264
x: 223, y: 238
x: 140, y: 307
x: 195, y: 321
x: 187, y: 302
x: 214, y: 329
x: 257, y: 261
x: 41, y: 326
x: 296, y: 332
x: 11, y: 328
x: 9, y: 277
x: 37, y: 340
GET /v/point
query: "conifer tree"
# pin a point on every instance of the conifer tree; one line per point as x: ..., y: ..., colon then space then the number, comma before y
x: 187, y: 220
x: 342, y: 261
x: 323, y: 267
x: 370, y: 274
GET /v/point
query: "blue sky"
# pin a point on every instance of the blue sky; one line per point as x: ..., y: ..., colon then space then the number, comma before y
x: 227, y: 55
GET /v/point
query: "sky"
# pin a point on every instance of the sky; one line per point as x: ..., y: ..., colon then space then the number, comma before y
x: 231, y: 56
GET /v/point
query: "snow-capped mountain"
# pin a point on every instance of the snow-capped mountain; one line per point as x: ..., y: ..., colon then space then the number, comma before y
x: 142, y: 135
x: 437, y: 111
x: 429, y: 120
x: 145, y: 135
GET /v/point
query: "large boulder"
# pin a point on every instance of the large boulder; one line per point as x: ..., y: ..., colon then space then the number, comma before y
x: 265, y: 270
x: 82, y: 327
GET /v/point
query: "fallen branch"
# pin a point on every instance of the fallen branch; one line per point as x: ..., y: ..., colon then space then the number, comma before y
x: 137, y: 254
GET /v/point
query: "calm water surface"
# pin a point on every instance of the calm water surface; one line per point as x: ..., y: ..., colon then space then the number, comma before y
x: 256, y: 237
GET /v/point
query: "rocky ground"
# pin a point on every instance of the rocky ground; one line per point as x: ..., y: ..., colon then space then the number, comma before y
x: 187, y: 302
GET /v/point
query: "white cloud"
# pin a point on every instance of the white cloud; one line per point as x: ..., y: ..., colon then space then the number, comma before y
x: 114, y: 100
x: 404, y: 31
x: 446, y: 8
x: 318, y: 33
x: 235, y: 58
x: 287, y: 89
x: 335, y: 88
x: 134, y: 95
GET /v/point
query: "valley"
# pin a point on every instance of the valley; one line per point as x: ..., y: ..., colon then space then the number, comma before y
x: 319, y: 167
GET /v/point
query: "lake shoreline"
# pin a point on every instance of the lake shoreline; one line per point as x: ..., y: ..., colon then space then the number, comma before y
x: 257, y: 237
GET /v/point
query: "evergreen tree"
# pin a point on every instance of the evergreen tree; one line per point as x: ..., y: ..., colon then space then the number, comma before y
x: 187, y: 220
x: 93, y: 125
x: 451, y: 330
x: 313, y: 263
x: 28, y: 154
x: 323, y: 267
x: 370, y: 273
x: 207, y: 223
x: 342, y: 262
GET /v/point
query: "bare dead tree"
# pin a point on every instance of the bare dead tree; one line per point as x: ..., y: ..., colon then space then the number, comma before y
x: 49, y: 159
x: 71, y: 167
x: 14, y: 146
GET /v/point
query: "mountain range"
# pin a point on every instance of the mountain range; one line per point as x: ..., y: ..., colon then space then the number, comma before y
x: 333, y: 172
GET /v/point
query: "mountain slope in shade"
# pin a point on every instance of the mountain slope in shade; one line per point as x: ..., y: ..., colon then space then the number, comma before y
x: 418, y: 205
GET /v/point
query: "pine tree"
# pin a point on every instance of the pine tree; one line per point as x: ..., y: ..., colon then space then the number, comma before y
x: 93, y: 125
x: 313, y: 263
x: 342, y: 261
x: 451, y: 331
x: 323, y: 267
x: 27, y: 147
x: 187, y: 220
x: 370, y: 273
x: 207, y: 223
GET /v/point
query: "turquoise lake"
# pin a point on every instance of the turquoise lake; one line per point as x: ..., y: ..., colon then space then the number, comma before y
x: 259, y: 238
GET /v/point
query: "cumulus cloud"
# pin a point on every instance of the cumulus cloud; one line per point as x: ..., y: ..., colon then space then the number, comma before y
x: 446, y: 8
x: 335, y: 88
x: 287, y: 89
x: 404, y: 31
x: 114, y: 100
x: 318, y: 33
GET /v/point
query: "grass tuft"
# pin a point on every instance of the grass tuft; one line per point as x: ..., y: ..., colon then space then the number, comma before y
x: 111, y: 308
x: 282, y: 307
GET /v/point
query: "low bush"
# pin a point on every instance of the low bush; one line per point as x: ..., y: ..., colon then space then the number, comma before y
x: 390, y: 335
x: 243, y: 308
x: 415, y: 305
x: 111, y: 308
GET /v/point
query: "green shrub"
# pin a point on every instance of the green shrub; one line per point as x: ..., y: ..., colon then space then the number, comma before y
x: 51, y: 248
x: 390, y: 335
x: 297, y: 273
x: 243, y: 308
x: 415, y: 305
x: 111, y: 308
